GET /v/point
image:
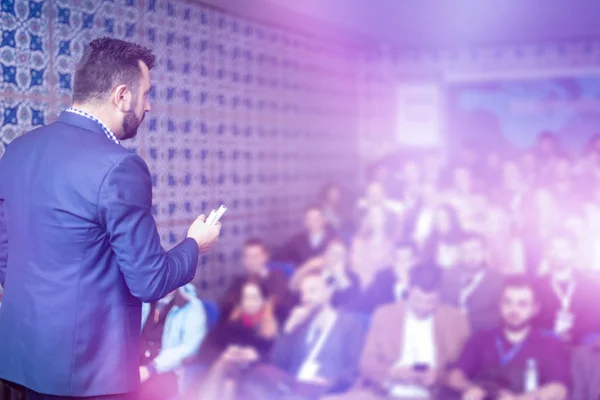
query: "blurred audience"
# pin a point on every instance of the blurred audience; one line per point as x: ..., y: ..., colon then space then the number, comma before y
x: 516, y: 361
x: 500, y: 244
x: 566, y: 293
x: 411, y: 344
x: 255, y: 264
x: 335, y: 207
x: 372, y: 247
x: 474, y: 286
x: 334, y: 267
x: 390, y: 285
x: 318, y: 349
x: 442, y: 246
x: 309, y: 243
x: 241, y: 338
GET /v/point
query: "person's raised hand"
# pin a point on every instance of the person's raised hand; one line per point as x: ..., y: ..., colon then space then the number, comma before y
x: 205, y: 235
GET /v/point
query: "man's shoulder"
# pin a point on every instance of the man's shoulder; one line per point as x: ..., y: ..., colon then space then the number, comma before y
x: 485, y: 336
x: 448, y: 311
x: 385, y: 275
x: 389, y: 312
x: 62, y: 137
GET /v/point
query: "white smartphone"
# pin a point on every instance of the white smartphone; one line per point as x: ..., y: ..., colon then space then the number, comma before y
x: 217, y: 216
x: 210, y: 217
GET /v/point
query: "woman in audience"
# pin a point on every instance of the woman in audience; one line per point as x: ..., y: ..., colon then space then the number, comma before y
x: 372, y: 247
x: 335, y: 268
x: 334, y: 207
x: 442, y: 245
x: 376, y: 196
x: 240, y: 339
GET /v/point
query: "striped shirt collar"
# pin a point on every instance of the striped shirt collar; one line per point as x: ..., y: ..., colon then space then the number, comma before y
x: 105, y: 128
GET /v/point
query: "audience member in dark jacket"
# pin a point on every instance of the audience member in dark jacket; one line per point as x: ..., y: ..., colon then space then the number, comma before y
x: 309, y: 243
x: 319, y: 348
x: 473, y: 286
x: 255, y: 261
x: 242, y: 338
x: 335, y: 269
x: 390, y: 284
x: 567, y: 297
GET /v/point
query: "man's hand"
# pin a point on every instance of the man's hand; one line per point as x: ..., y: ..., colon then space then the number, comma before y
x: 297, y: 316
x: 404, y: 375
x: 319, y: 381
x: 144, y: 374
x: 426, y: 378
x: 205, y: 235
x: 231, y: 354
x: 249, y: 355
x: 474, y: 393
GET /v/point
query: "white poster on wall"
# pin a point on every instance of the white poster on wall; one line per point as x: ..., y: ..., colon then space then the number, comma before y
x: 418, y: 115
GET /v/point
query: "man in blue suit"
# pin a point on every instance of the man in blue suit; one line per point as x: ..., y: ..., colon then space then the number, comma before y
x: 79, y: 249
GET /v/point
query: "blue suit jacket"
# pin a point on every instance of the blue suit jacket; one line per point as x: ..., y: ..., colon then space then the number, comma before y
x: 79, y: 252
x: 338, y: 359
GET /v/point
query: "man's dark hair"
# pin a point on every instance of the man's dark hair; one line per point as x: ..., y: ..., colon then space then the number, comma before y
x: 426, y: 277
x: 520, y: 281
x: 107, y: 63
x: 256, y: 242
x: 473, y: 236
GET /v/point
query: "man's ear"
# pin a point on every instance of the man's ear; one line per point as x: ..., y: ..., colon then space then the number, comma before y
x: 122, y: 98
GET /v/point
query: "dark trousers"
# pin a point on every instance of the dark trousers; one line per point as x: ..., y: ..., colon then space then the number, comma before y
x: 12, y: 391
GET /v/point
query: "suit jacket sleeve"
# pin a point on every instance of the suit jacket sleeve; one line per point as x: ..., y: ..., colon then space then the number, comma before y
x: 281, y: 353
x: 374, y: 366
x: 3, y: 244
x: 124, y: 207
x: 356, y: 335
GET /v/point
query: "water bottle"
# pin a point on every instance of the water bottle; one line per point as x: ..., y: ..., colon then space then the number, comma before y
x: 531, y: 376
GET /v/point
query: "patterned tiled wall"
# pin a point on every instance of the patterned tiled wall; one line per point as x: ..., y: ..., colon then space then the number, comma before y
x: 243, y: 114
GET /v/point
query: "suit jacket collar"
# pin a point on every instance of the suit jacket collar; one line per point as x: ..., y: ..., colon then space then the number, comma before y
x: 397, y: 334
x: 81, y: 122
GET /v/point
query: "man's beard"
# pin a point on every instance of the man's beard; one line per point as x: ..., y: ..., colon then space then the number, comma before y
x: 130, y: 125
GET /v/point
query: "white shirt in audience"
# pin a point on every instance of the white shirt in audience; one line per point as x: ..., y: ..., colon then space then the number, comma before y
x: 423, y: 225
x: 316, y: 239
x: 399, y: 290
x: 418, y: 348
x: 447, y: 256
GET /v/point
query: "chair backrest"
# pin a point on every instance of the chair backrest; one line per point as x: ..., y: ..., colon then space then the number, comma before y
x: 212, y: 312
x: 286, y: 268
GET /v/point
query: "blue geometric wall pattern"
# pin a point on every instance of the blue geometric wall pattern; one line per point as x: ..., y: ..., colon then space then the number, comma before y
x: 242, y: 114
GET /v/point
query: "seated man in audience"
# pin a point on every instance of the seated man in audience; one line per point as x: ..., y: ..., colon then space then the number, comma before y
x: 255, y: 260
x: 473, y: 286
x: 311, y: 242
x: 390, y: 285
x: 318, y: 350
x: 516, y: 361
x: 566, y: 295
x: 335, y: 266
x: 410, y: 344
x: 172, y: 331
